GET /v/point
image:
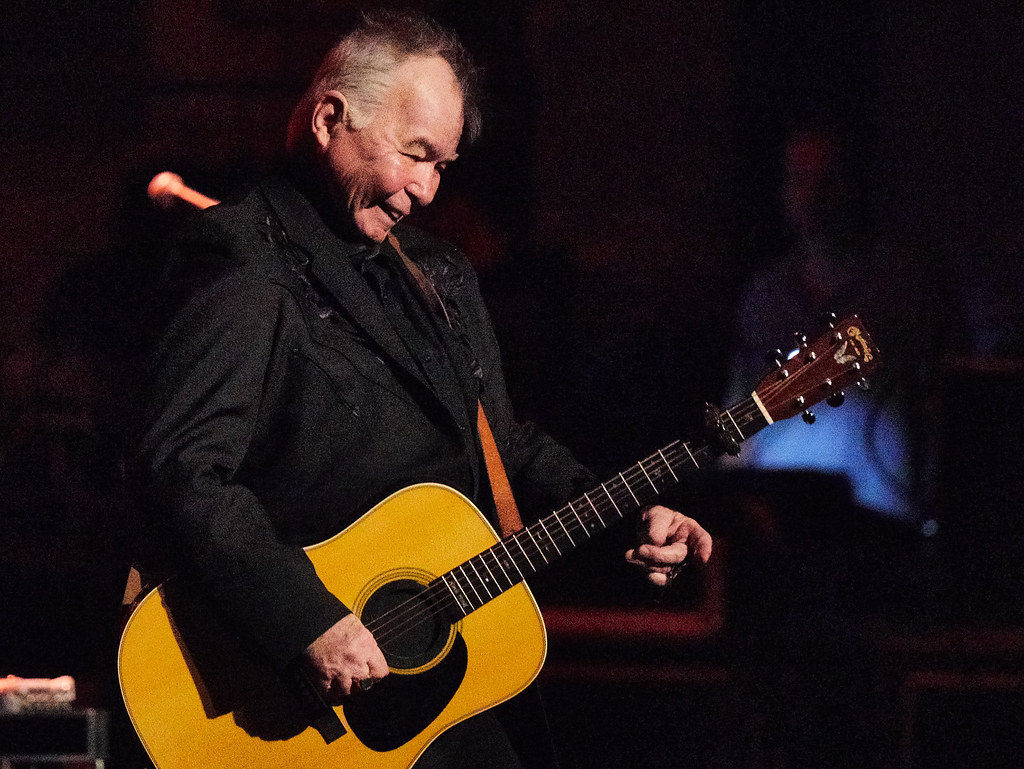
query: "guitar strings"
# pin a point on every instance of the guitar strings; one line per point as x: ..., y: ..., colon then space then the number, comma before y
x: 532, y: 531
x: 552, y: 518
x: 426, y: 605
x: 412, y: 612
x: 417, y: 610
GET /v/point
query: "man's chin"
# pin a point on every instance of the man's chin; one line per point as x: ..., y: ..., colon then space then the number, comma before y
x: 377, y: 236
x: 375, y: 231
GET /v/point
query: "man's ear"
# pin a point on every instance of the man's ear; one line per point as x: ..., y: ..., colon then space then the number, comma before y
x: 330, y: 114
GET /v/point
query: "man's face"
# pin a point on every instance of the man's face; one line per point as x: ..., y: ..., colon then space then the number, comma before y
x: 394, y: 163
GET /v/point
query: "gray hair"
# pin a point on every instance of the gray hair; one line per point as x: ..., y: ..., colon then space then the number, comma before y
x: 361, y: 65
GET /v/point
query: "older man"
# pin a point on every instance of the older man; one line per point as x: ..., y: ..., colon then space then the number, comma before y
x: 305, y: 374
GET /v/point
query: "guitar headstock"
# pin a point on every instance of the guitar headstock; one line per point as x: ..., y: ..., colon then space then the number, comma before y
x: 841, y: 357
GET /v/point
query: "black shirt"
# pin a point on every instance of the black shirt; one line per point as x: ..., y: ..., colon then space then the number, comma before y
x: 437, y: 343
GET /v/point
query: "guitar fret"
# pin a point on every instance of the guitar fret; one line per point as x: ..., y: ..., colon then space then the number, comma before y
x: 500, y: 566
x: 747, y: 416
x: 611, y: 499
x: 691, y: 456
x: 484, y: 579
x: 469, y: 601
x: 629, y: 490
x: 641, y: 464
x: 471, y: 585
x: 589, y: 502
x: 465, y: 606
x: 515, y: 538
x: 668, y: 466
x: 560, y: 523
x: 483, y: 582
x: 550, y: 538
x: 579, y: 519
x: 512, y: 560
x: 539, y: 549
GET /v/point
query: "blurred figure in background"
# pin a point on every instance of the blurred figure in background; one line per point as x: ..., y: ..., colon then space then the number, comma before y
x: 826, y: 264
x: 829, y: 565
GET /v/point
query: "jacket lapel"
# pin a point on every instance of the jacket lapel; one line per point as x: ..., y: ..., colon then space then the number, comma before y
x: 446, y: 388
x: 331, y: 266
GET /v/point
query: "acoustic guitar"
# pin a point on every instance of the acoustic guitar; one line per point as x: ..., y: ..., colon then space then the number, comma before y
x: 443, y: 595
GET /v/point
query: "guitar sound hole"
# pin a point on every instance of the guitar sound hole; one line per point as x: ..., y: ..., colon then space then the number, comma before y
x: 409, y: 626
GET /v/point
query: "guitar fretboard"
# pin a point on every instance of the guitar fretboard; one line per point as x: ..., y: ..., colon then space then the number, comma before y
x: 483, y: 577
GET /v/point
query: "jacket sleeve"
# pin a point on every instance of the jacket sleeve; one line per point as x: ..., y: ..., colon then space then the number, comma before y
x: 209, y: 378
x: 547, y: 469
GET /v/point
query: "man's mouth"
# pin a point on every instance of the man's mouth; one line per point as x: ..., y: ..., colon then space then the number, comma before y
x: 394, y: 213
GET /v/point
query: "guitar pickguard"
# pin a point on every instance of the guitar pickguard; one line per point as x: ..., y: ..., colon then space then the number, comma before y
x: 399, y: 707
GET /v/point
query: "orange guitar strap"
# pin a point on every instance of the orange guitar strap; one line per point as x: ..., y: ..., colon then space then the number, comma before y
x: 133, y: 590
x: 508, y: 513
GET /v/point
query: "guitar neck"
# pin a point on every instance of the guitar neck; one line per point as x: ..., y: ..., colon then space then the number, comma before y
x: 489, y: 574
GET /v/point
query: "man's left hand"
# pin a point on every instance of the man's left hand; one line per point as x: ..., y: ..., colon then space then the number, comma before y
x: 666, y: 538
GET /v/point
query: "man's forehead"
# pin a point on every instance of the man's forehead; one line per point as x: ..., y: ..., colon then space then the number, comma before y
x: 429, y: 99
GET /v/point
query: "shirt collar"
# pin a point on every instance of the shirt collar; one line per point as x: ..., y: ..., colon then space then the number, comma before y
x: 362, y: 255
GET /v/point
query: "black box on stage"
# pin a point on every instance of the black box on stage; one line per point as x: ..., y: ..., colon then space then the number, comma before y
x: 58, y: 736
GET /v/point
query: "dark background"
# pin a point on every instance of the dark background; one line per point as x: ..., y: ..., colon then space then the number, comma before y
x: 625, y: 186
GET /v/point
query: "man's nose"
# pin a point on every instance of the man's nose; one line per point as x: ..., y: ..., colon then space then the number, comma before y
x: 424, y: 183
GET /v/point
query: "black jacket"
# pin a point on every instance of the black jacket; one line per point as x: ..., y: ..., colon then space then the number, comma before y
x: 283, y: 406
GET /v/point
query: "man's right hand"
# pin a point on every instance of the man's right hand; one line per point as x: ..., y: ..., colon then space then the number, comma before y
x: 343, y: 656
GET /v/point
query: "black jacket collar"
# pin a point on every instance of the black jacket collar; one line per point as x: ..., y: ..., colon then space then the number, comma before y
x: 331, y: 263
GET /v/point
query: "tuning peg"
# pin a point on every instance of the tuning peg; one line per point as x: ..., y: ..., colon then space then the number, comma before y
x: 831, y: 319
x: 800, y: 339
x: 863, y: 384
x: 808, y: 417
x: 776, y: 357
x: 835, y: 400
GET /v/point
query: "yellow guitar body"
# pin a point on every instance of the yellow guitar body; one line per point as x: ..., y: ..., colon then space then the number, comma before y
x: 414, y: 535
